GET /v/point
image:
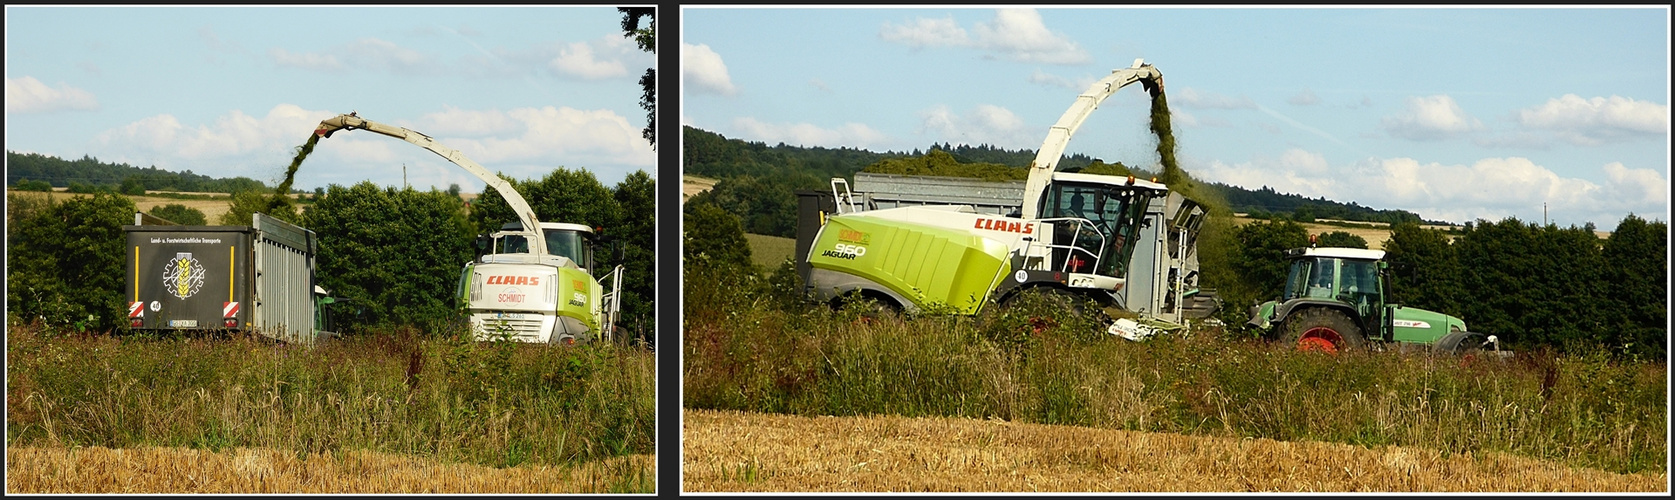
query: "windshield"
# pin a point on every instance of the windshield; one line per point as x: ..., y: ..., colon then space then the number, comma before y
x: 1114, y: 211
x: 566, y: 243
x: 1353, y: 281
x: 571, y: 244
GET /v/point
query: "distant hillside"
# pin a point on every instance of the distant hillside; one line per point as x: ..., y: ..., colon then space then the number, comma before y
x: 90, y: 171
x: 794, y: 167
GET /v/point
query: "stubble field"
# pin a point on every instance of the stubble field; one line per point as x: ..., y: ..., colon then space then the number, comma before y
x: 738, y: 451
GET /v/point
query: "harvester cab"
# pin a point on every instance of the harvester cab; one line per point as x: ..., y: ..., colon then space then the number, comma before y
x: 1336, y: 299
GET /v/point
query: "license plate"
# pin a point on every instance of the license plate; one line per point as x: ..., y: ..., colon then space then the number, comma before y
x: 183, y: 323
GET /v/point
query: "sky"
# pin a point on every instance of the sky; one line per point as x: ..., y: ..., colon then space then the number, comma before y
x: 233, y: 91
x: 1457, y: 114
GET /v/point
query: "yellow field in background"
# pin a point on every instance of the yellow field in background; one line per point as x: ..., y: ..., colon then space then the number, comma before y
x: 246, y: 470
x: 733, y: 451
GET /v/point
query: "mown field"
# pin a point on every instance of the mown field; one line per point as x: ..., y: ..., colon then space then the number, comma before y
x: 758, y: 452
x: 753, y: 352
x: 250, y: 470
x: 437, y: 399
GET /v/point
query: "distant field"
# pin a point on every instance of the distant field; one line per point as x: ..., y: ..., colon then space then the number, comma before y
x: 1375, y: 233
x: 212, y: 208
x: 735, y: 451
x: 769, y: 251
x: 692, y: 184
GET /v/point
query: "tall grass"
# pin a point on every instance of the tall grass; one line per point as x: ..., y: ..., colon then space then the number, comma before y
x: 442, y: 397
x: 753, y: 353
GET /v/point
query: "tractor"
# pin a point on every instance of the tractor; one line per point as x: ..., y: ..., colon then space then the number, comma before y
x: 1334, y: 300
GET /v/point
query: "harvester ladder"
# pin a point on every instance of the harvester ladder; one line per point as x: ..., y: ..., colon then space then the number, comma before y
x: 613, y: 303
x: 847, y: 198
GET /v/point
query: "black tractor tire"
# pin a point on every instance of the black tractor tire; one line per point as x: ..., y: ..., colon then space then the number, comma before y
x: 1320, y: 328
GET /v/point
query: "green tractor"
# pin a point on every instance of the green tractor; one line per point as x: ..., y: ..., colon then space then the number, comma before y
x: 1334, y: 300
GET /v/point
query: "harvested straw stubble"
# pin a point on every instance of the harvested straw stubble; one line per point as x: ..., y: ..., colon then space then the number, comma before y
x: 247, y: 470
x: 734, y: 451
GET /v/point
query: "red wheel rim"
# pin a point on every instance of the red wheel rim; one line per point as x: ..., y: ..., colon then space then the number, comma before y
x: 1320, y: 338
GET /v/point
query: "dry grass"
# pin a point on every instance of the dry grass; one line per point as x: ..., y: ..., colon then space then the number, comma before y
x: 247, y: 470
x: 734, y: 451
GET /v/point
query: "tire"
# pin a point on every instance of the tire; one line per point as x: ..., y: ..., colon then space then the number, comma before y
x: 1051, y: 297
x: 1322, y: 329
x: 1057, y: 308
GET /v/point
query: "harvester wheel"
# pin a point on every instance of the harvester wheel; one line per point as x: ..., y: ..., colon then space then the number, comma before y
x: 1322, y: 329
x: 872, y: 309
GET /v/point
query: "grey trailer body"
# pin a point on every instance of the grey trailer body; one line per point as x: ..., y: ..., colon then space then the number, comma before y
x: 988, y: 197
x: 256, y: 278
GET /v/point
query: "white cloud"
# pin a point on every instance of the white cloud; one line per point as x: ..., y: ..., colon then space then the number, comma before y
x: 311, y: 62
x: 1489, y: 188
x: 372, y: 53
x: 1430, y: 118
x: 1636, y: 187
x: 1597, y: 120
x: 1014, y: 35
x: 854, y: 135
x: 28, y: 95
x: 985, y: 124
x: 453, y: 121
x: 704, y: 71
x: 522, y: 142
x: 1304, y: 98
x: 821, y: 85
x: 369, y: 54
x: 1019, y: 35
x: 924, y: 32
x: 232, y: 135
x: 1193, y: 98
x: 1043, y: 78
x: 557, y: 136
x: 578, y: 60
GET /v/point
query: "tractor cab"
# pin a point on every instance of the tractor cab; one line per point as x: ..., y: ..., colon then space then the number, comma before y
x: 1350, y: 276
x: 1095, y: 220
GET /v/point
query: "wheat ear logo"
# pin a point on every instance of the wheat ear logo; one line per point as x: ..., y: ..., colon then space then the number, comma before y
x: 184, y: 275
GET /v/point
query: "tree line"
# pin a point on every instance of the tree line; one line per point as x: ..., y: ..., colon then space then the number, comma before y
x: 394, y: 253
x: 32, y: 171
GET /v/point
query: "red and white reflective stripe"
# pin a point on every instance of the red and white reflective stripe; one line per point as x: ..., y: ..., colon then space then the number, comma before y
x: 228, y: 309
x: 136, y: 309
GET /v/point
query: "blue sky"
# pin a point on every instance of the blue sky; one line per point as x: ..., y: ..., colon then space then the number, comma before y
x: 1456, y: 114
x: 231, y: 91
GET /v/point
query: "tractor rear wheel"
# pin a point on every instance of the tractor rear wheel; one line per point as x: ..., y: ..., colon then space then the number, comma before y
x: 1322, y: 329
